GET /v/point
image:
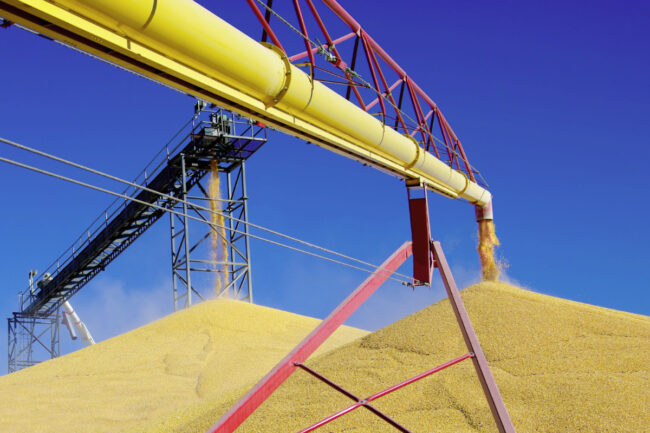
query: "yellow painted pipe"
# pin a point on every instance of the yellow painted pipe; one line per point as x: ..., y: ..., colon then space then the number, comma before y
x: 184, y: 45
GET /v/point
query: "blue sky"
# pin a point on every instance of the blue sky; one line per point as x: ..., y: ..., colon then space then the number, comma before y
x: 551, y: 101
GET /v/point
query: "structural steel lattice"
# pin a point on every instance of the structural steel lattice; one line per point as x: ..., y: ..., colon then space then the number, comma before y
x: 32, y: 339
x: 174, y: 171
x: 234, y: 270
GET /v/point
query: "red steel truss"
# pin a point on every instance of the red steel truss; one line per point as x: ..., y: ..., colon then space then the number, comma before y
x: 426, y: 252
x: 338, y: 51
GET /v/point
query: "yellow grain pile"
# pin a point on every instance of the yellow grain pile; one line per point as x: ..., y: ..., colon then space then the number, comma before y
x: 562, y: 366
x: 211, y: 349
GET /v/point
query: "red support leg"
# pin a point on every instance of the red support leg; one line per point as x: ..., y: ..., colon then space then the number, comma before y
x: 420, y: 233
x: 492, y: 394
x: 265, y: 387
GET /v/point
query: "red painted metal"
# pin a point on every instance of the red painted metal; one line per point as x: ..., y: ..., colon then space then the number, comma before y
x: 355, y: 51
x: 374, y: 54
x: 458, y: 145
x: 376, y: 48
x: 490, y: 389
x: 390, y: 89
x: 315, y: 50
x: 422, y: 122
x: 348, y: 394
x: 265, y: 24
x: 372, y: 72
x: 420, y: 233
x: 303, y: 28
x: 385, y: 392
x: 265, y: 387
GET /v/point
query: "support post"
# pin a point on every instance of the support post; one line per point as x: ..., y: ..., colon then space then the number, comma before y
x: 265, y: 387
x: 490, y: 389
x: 194, y: 266
x: 188, y: 275
x: 174, y: 258
x: 420, y: 232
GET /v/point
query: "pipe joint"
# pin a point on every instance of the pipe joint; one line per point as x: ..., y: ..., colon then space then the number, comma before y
x: 418, y: 152
x: 272, y: 100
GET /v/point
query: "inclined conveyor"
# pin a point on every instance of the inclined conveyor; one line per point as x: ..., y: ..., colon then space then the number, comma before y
x: 217, y: 138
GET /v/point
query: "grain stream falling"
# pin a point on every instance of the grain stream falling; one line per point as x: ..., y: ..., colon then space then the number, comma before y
x: 487, y: 240
x: 218, y: 244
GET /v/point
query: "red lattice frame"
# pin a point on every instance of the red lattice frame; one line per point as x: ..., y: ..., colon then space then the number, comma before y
x: 412, y: 112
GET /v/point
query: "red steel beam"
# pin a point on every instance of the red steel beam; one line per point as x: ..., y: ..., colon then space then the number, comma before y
x: 265, y: 24
x: 385, y: 392
x: 356, y: 28
x: 390, y: 89
x: 374, y: 76
x: 314, y: 50
x: 490, y: 389
x: 265, y: 387
x: 459, y: 145
x: 420, y: 233
x: 303, y: 28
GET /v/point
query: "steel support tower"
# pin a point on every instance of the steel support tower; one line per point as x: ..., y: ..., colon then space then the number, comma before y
x: 171, y: 177
x: 32, y: 339
x: 193, y: 242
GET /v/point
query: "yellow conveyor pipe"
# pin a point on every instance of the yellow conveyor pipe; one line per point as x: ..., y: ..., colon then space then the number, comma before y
x: 183, y: 44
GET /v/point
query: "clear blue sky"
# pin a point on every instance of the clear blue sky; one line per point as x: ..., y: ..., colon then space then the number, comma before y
x: 551, y: 101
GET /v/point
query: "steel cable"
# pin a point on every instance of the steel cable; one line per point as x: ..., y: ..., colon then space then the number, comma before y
x: 126, y: 197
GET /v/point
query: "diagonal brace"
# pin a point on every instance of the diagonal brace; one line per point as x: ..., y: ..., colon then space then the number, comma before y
x: 265, y: 387
x: 490, y: 389
x: 348, y: 394
x: 387, y: 391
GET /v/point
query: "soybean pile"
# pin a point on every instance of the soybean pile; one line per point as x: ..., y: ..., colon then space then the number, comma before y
x: 211, y: 349
x: 560, y: 366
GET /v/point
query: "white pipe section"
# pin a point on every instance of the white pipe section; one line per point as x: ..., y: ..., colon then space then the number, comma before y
x: 75, y: 322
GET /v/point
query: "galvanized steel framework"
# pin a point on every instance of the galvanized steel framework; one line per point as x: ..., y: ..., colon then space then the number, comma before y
x: 178, y: 167
x: 189, y: 239
x: 32, y: 339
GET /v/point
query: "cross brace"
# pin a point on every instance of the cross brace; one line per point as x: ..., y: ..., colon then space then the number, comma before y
x: 427, y: 255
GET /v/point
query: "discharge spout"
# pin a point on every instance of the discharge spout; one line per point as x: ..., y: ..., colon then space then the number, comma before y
x: 180, y: 43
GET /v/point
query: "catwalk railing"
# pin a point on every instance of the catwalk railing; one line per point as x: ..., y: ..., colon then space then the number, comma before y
x: 226, y: 137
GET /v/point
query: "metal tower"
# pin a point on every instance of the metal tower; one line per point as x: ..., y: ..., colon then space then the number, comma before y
x: 32, y: 339
x: 193, y: 242
x: 174, y: 174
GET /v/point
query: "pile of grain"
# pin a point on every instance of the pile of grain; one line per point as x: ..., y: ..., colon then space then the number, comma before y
x: 561, y: 366
x: 211, y: 349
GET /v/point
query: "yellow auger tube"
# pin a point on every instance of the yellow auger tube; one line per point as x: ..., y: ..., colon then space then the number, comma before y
x: 181, y: 44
